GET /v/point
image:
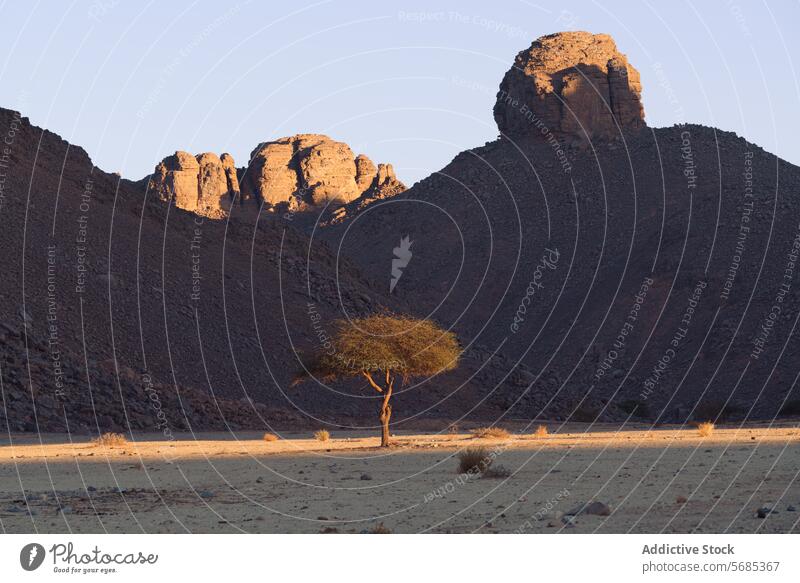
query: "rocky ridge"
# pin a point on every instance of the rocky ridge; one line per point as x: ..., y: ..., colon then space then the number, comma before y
x: 297, y: 173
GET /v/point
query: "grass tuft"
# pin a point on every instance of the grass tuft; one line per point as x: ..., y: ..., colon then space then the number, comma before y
x: 474, y: 460
x: 379, y: 529
x: 490, y: 432
x: 541, y: 431
x: 705, y: 429
x: 110, y: 439
x: 322, y: 435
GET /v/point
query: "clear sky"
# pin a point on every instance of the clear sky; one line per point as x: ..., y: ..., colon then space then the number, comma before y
x: 410, y: 82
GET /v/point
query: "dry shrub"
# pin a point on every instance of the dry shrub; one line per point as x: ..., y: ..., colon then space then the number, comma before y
x: 322, y: 435
x: 541, y: 431
x: 379, y: 529
x: 271, y: 437
x: 110, y: 439
x: 490, y: 432
x: 705, y: 429
x: 474, y: 460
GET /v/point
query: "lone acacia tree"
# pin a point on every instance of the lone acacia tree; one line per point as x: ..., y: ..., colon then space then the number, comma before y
x: 381, y: 349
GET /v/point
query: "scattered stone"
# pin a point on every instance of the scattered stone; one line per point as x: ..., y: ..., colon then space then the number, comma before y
x: 595, y: 508
x: 366, y: 477
x: 569, y: 521
x: 765, y: 511
x: 206, y: 494
x: 791, y: 508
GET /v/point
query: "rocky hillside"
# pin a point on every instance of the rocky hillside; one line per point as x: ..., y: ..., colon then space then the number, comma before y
x: 119, y: 311
x: 105, y: 286
x: 593, y: 268
x: 638, y: 272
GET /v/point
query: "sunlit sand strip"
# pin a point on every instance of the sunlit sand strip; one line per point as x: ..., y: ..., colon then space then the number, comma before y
x: 23, y: 450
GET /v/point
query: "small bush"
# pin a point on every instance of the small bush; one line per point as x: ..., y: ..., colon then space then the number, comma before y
x: 474, y: 460
x: 109, y: 439
x: 322, y: 435
x: 271, y: 437
x: 541, y: 431
x: 490, y: 432
x: 705, y: 429
x: 379, y: 529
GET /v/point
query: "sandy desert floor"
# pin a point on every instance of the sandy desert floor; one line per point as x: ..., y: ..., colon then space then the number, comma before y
x: 663, y: 480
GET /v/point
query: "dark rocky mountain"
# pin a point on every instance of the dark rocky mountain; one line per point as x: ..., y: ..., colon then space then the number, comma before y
x: 647, y: 273
x: 636, y: 272
x: 103, y: 286
x: 623, y: 284
x: 119, y: 311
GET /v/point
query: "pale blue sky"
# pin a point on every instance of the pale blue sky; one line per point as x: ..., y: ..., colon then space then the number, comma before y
x: 412, y: 82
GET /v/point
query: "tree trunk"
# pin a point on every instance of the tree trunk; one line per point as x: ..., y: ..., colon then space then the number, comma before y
x: 386, y: 414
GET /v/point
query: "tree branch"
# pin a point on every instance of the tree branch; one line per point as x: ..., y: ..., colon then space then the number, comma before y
x: 372, y: 382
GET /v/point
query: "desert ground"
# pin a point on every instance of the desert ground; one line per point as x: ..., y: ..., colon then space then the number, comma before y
x: 651, y: 481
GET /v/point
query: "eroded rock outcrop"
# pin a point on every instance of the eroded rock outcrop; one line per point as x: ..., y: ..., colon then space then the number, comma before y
x: 231, y: 176
x: 384, y: 184
x: 312, y: 171
x: 573, y: 85
x: 204, y: 184
x: 365, y: 172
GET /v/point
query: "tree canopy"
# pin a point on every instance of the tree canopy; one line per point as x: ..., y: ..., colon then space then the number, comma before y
x: 380, y: 348
x: 403, y: 345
